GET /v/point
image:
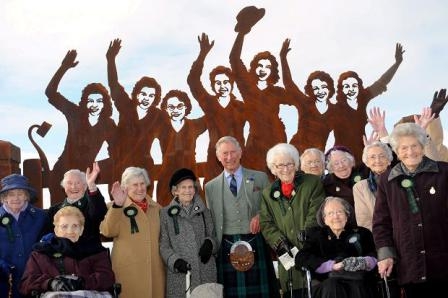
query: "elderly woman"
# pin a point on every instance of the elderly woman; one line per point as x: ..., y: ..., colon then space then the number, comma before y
x: 410, y: 216
x: 288, y: 207
x: 377, y: 157
x: 339, y: 254
x: 82, y: 192
x: 63, y: 264
x: 21, y: 225
x: 342, y: 173
x: 186, y: 236
x: 312, y: 161
x: 134, y: 224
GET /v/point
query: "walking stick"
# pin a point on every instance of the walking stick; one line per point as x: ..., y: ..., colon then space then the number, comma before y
x: 187, y: 284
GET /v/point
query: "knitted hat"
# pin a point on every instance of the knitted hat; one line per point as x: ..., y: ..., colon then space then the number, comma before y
x: 16, y: 181
x: 181, y: 175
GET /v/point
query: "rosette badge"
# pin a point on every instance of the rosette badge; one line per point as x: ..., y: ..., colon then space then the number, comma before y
x: 173, y: 212
x: 6, y: 222
x: 408, y: 185
x: 131, y: 212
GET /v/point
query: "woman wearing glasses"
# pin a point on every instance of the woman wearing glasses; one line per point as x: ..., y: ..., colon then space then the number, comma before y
x: 178, y: 143
x: 339, y: 254
x: 288, y: 207
x: 342, y: 173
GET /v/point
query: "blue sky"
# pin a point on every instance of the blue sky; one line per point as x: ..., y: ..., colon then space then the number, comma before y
x: 159, y: 38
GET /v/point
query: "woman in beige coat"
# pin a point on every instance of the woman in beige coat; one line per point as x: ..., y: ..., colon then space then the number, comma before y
x: 134, y: 224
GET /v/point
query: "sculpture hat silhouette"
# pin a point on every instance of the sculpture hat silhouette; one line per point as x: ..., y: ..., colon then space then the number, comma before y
x: 247, y: 18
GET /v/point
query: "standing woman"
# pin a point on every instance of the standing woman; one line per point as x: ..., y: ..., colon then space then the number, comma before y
x: 410, y: 221
x: 288, y: 207
x: 133, y: 222
x: 186, y: 239
x: 21, y: 225
x: 377, y: 157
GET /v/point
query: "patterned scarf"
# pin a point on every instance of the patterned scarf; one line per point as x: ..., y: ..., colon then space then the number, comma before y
x: 287, y: 189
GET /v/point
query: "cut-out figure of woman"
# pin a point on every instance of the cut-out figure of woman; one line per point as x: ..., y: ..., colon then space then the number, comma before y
x: 261, y: 97
x: 178, y: 142
x: 138, y: 117
x: 224, y: 114
x: 313, y: 106
x: 350, y: 117
x: 89, y: 124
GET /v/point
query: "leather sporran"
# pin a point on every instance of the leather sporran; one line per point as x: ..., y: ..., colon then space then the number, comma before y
x: 242, y: 257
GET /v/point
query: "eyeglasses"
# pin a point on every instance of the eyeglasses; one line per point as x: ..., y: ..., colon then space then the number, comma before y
x: 74, y: 227
x: 334, y: 213
x: 377, y: 156
x: 341, y: 162
x: 173, y: 107
x: 281, y: 166
x: 313, y: 163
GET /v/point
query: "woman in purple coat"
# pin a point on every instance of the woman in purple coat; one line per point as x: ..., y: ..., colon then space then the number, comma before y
x: 410, y: 220
x: 61, y: 264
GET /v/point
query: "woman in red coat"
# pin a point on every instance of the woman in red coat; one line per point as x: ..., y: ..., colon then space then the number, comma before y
x: 58, y: 263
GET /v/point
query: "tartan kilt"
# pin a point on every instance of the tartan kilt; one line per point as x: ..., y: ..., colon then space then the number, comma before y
x: 259, y: 281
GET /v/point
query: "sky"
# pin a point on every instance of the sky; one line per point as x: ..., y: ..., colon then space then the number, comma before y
x: 159, y: 39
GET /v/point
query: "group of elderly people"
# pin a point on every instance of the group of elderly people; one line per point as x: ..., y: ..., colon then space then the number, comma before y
x: 348, y: 227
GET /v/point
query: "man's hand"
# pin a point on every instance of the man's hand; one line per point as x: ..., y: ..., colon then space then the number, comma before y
x: 255, y: 224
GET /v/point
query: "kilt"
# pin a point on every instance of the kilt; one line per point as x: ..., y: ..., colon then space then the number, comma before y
x: 256, y: 282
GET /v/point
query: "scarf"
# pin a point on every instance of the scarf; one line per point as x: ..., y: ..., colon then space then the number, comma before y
x: 287, y: 189
x: 142, y: 204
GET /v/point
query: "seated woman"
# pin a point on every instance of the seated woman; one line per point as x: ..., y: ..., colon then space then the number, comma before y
x: 62, y: 264
x: 339, y: 254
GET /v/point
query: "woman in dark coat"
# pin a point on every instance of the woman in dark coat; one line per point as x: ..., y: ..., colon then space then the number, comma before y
x: 410, y: 221
x: 338, y: 253
x: 61, y: 263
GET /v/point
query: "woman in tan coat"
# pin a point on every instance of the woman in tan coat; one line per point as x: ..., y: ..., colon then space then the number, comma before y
x: 134, y: 224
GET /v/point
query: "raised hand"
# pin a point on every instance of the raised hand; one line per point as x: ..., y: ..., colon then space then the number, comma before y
x: 69, y: 59
x: 373, y: 137
x: 438, y: 102
x: 205, y: 44
x: 378, y: 121
x: 118, y: 193
x: 285, y: 48
x: 424, y: 118
x: 91, y: 176
x: 114, y: 48
x: 399, y: 53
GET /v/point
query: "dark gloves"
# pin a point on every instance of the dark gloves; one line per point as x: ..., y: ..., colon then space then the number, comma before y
x: 66, y: 284
x: 284, y: 246
x: 205, y: 252
x: 182, y: 266
x: 438, y: 102
x: 355, y: 264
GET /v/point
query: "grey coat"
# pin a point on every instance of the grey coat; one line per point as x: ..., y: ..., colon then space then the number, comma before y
x: 186, y: 245
x: 253, y: 184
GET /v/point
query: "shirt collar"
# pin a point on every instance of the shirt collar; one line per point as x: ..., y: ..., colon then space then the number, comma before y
x: 238, y: 173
